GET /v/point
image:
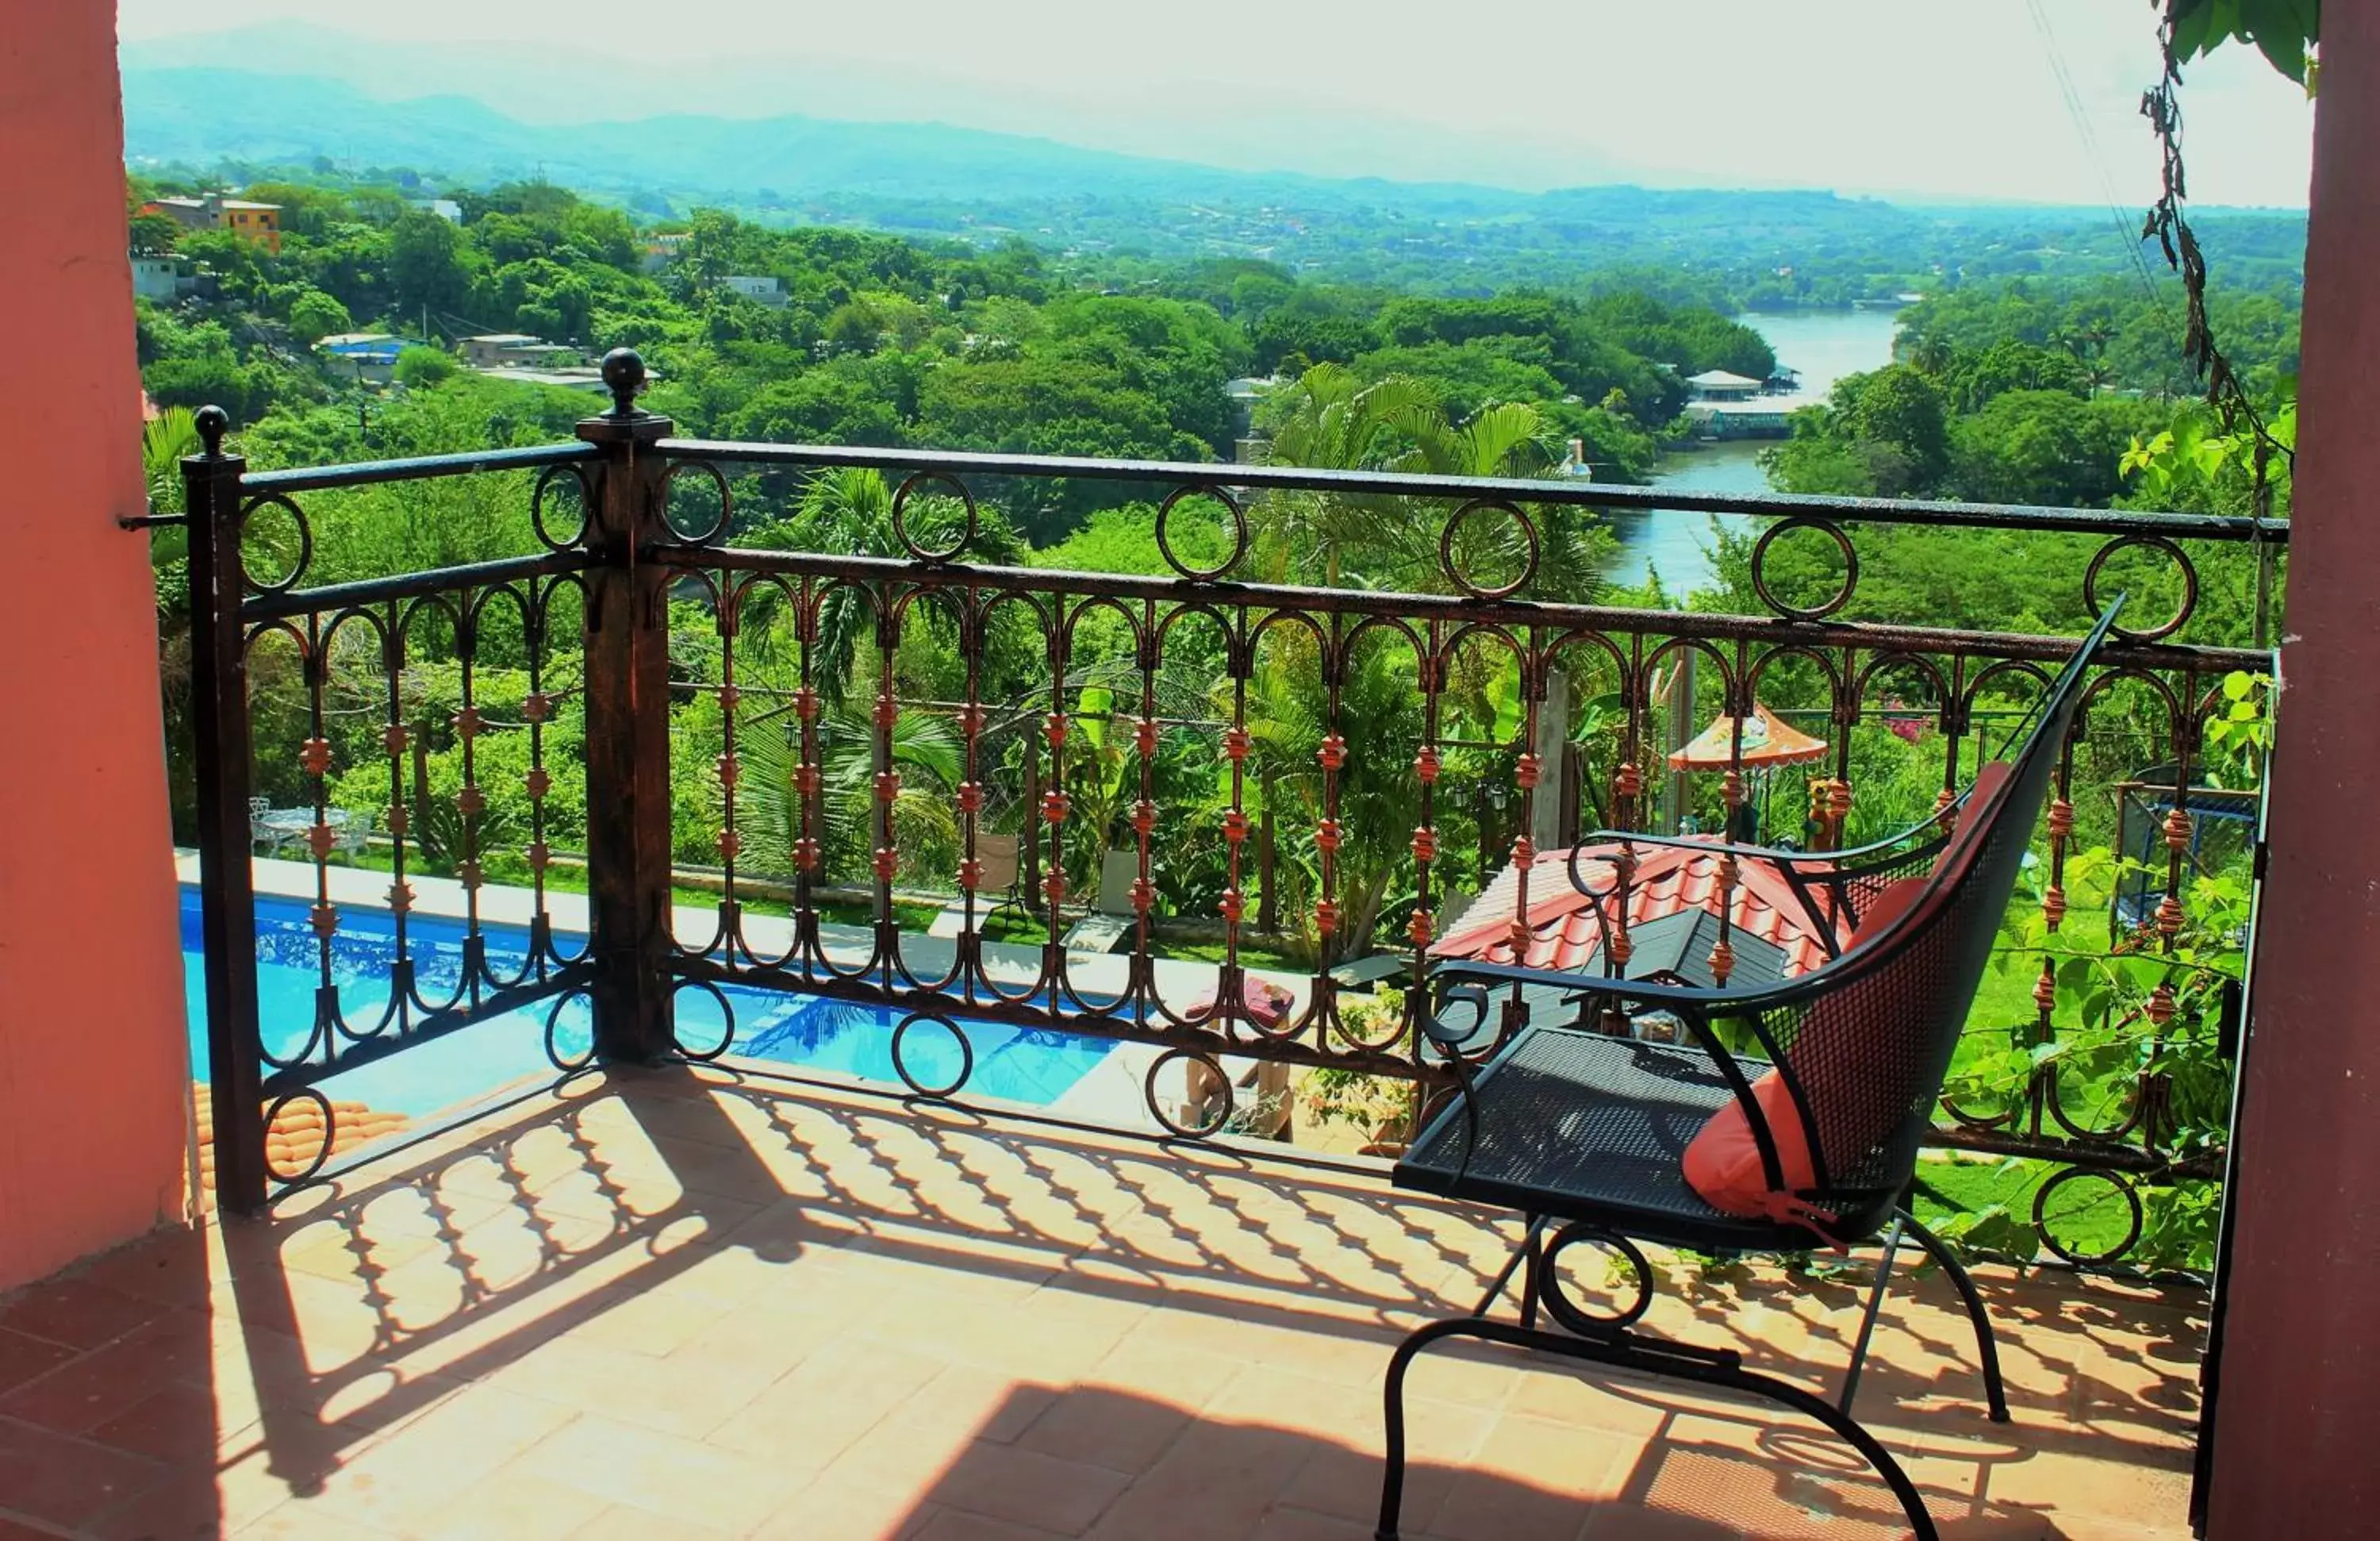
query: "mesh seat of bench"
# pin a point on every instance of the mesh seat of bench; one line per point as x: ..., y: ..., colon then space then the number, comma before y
x: 1584, y: 1126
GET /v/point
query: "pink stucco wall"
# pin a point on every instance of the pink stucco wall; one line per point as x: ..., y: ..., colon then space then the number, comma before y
x: 93, y: 1072
x: 2300, y: 1371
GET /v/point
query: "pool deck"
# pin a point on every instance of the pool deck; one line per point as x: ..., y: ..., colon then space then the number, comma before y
x: 1112, y: 1094
x: 679, y: 1305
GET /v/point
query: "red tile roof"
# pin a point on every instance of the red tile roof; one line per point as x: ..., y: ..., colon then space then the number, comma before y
x: 1567, y: 935
x: 295, y: 1138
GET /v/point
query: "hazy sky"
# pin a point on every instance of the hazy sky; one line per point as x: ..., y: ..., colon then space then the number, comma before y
x: 1952, y: 98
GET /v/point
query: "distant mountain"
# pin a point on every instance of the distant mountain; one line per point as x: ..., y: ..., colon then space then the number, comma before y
x: 571, y: 83
x: 205, y: 116
x: 938, y: 180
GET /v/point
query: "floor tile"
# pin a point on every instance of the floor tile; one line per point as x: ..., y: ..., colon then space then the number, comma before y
x: 663, y: 1475
x: 678, y: 1307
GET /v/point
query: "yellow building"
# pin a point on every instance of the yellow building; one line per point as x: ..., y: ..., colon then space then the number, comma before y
x: 260, y: 222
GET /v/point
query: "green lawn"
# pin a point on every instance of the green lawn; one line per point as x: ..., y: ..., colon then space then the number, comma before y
x: 2004, y: 1001
x: 2086, y: 1215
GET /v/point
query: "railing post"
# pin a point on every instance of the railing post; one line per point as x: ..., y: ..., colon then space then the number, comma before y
x: 627, y: 727
x: 223, y: 751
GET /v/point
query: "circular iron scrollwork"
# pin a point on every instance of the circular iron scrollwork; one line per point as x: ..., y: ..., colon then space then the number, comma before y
x: 546, y: 479
x: 931, y: 1091
x: 717, y: 526
x: 1392, y: 1027
x: 901, y: 525
x: 1216, y: 1100
x: 273, y: 1141
x: 2043, y: 1224
x: 1834, y: 602
x: 581, y: 1022
x: 298, y: 563
x: 1569, y: 1312
x: 678, y: 1018
x: 2181, y: 564
x: 1462, y: 580
x: 1238, y: 532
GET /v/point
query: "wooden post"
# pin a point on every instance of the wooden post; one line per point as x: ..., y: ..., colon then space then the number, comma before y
x: 628, y: 728
x: 224, y: 752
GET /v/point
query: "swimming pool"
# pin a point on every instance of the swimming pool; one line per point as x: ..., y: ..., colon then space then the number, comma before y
x: 1014, y: 1064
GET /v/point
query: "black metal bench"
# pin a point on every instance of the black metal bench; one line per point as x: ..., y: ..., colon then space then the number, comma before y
x: 1587, y: 1132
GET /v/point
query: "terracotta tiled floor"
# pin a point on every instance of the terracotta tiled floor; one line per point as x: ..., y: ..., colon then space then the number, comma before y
x: 683, y: 1305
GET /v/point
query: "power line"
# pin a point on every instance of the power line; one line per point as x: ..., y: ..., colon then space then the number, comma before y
x: 2126, y: 234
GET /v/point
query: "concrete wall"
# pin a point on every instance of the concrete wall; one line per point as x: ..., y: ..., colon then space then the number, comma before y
x: 2300, y: 1397
x: 93, y: 1068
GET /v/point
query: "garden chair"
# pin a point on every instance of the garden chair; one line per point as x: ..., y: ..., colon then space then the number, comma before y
x: 1812, y: 1142
x: 997, y: 856
x: 1113, y: 917
x: 272, y: 830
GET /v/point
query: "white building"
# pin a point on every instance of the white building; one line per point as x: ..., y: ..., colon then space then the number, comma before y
x: 494, y: 350
x: 767, y: 288
x: 1720, y: 385
x: 158, y: 278
x: 662, y: 250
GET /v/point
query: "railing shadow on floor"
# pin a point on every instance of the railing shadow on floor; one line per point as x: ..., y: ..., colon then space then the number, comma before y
x: 363, y: 1303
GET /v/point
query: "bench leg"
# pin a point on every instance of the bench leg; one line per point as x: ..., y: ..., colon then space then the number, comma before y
x: 1526, y: 1253
x: 1986, y: 1346
x: 1867, y: 1317
x: 1650, y: 1356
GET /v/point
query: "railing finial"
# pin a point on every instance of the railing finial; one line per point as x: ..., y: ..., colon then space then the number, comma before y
x: 624, y: 376
x: 212, y: 423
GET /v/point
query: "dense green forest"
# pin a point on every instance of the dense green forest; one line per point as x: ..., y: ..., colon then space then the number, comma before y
x: 2016, y: 389
x: 883, y: 340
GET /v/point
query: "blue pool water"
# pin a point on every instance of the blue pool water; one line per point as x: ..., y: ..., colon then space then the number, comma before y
x: 1012, y: 1064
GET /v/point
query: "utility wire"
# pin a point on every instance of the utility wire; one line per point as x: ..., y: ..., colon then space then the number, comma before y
x: 2127, y: 234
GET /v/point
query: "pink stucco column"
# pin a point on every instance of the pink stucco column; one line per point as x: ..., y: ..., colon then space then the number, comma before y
x: 94, y: 1075
x: 2300, y: 1398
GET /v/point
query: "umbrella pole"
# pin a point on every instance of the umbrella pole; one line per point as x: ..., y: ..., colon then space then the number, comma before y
x: 1679, y: 732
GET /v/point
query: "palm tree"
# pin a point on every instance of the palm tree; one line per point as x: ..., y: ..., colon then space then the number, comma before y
x: 1335, y: 422
x: 925, y: 751
x: 1378, y: 800
x: 164, y: 439
x: 846, y: 509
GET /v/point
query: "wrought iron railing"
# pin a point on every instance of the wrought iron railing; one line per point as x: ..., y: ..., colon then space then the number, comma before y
x: 1019, y: 745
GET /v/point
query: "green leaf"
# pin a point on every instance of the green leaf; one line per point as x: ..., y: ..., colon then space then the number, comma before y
x: 2285, y: 53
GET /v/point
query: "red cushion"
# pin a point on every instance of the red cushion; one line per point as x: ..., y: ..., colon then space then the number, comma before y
x: 1988, y: 781
x: 1722, y: 1162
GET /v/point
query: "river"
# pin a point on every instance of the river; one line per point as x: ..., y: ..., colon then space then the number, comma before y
x: 1825, y: 345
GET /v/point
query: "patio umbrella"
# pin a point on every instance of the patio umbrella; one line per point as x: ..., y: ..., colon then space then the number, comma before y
x: 1768, y: 744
